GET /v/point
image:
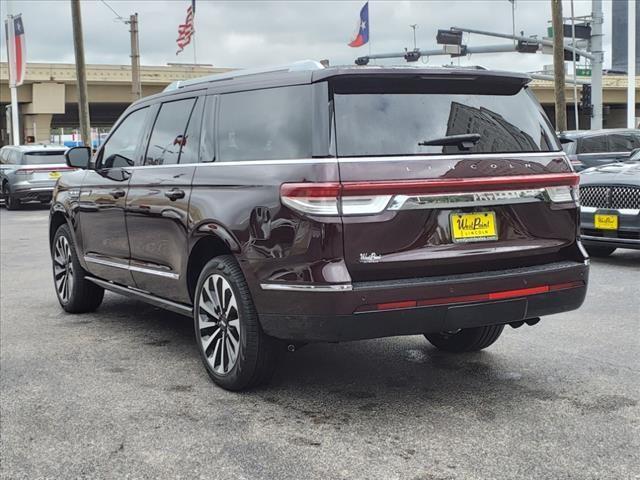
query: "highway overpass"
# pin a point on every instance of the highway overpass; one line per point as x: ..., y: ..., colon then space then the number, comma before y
x: 48, y: 98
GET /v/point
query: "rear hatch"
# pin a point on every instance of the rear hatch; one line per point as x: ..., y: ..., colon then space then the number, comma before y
x: 449, y: 175
x: 42, y: 168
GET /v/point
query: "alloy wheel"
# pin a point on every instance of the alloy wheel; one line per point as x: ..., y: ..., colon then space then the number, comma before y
x: 63, y: 268
x: 218, y: 324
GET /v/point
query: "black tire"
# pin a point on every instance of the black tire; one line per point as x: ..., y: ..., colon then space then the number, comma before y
x: 595, y: 251
x: 10, y: 202
x: 465, y: 340
x: 80, y: 295
x: 256, y: 353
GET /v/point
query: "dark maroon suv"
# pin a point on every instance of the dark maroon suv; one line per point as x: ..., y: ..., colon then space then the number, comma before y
x: 306, y: 204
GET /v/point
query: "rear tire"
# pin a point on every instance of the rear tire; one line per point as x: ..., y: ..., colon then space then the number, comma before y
x: 599, y: 251
x: 75, y: 293
x: 465, y: 340
x: 10, y: 202
x: 235, y: 351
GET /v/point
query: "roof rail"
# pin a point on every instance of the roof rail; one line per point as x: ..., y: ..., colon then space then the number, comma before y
x: 300, y: 66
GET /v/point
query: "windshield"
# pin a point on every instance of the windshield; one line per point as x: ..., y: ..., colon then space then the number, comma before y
x: 43, y: 158
x: 372, y: 124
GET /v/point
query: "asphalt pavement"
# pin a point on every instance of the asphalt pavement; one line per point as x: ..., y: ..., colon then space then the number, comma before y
x: 121, y: 393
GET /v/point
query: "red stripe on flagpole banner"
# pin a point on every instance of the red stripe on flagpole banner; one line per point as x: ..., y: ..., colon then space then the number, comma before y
x: 19, y: 72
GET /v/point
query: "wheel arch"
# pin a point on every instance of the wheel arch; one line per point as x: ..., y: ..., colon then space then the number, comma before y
x: 205, y: 247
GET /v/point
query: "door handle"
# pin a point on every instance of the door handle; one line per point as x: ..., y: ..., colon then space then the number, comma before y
x: 174, y: 194
x: 118, y: 193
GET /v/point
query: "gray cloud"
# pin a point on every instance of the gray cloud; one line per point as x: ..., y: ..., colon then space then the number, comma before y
x: 242, y: 33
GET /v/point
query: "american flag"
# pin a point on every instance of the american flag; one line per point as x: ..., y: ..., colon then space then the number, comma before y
x: 186, y: 30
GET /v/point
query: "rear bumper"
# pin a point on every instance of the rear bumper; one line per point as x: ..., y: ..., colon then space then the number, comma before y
x: 26, y: 191
x: 451, y: 304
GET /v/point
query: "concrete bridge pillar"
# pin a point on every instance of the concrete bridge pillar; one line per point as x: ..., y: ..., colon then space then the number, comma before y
x: 37, y: 126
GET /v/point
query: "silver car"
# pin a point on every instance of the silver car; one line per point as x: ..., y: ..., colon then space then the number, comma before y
x: 29, y: 173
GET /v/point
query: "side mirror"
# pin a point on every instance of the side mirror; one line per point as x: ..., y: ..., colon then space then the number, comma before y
x: 78, y: 157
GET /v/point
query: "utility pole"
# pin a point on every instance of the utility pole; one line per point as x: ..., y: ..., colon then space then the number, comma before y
x: 136, y: 87
x: 596, y: 64
x: 576, y: 117
x: 558, y: 65
x: 631, y: 66
x: 81, y: 74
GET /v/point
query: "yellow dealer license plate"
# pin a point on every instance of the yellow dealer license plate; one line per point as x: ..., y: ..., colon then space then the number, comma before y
x: 473, y: 227
x: 54, y: 175
x: 605, y: 222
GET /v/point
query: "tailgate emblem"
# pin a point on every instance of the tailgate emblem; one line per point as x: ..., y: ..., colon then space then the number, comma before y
x: 372, y: 257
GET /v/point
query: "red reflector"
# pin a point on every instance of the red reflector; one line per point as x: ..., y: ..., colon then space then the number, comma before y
x: 565, y: 286
x: 518, y: 293
x: 451, y: 185
x: 479, y: 297
x: 394, y: 305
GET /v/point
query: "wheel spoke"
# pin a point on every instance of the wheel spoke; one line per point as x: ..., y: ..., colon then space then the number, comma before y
x: 231, y: 350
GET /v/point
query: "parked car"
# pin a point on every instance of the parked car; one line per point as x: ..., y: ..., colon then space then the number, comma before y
x: 610, y: 211
x: 593, y: 148
x: 29, y: 172
x: 313, y: 204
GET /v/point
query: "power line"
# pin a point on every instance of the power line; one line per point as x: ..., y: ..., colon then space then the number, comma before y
x: 118, y: 16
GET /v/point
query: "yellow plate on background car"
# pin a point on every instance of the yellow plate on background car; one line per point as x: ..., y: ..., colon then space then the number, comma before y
x: 605, y: 222
x: 54, y: 175
x: 473, y: 227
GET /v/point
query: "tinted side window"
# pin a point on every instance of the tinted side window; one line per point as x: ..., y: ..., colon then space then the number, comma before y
x: 623, y: 142
x: 265, y: 124
x: 168, y: 134
x: 120, y: 149
x: 597, y: 144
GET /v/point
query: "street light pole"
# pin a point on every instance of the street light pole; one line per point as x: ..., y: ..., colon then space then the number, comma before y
x: 136, y: 87
x: 596, y: 64
x: 631, y: 67
x: 414, y: 26
x: 81, y: 73
x: 558, y: 65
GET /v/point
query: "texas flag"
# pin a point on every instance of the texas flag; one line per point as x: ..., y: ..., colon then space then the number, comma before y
x: 363, y: 28
x: 16, y: 50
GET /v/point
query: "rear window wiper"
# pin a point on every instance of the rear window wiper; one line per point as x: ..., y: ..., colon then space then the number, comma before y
x: 465, y: 141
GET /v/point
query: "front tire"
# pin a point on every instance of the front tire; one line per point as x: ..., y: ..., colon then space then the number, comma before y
x: 235, y: 351
x: 595, y: 251
x: 465, y: 340
x: 75, y: 293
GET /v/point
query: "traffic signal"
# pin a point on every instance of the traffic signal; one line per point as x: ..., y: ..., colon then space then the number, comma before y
x: 585, y: 99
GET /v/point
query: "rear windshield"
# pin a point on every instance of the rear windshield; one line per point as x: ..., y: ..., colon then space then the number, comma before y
x: 43, y: 158
x: 371, y: 124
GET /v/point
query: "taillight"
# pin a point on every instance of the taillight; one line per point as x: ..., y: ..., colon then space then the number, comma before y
x: 29, y: 171
x: 311, y: 198
x: 370, y: 198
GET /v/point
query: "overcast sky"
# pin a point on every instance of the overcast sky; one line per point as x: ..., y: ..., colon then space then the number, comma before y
x: 241, y: 34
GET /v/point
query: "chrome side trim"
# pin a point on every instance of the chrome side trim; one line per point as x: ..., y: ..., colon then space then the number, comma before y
x: 106, y: 263
x: 150, y: 271
x: 131, y: 268
x: 469, y: 199
x: 336, y: 160
x: 289, y: 287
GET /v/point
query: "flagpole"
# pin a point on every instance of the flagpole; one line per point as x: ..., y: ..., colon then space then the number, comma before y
x: 11, y: 60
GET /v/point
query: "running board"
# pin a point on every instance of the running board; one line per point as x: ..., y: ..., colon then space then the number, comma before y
x: 144, y: 296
